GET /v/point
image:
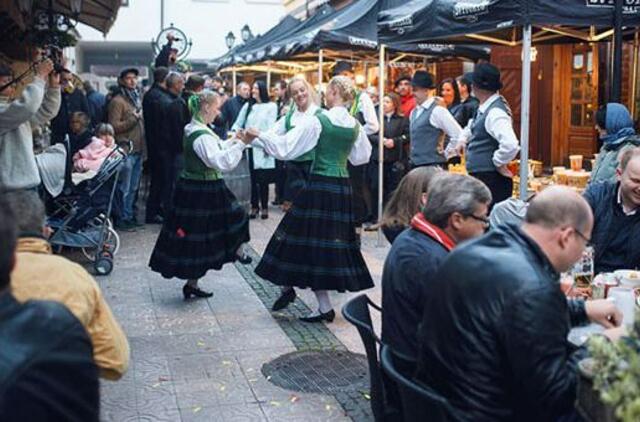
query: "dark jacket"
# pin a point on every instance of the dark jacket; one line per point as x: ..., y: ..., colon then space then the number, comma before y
x: 610, y: 221
x: 162, y: 60
x: 97, y: 103
x: 47, y: 372
x: 466, y: 111
x: 396, y: 128
x: 493, y: 338
x: 230, y: 110
x: 172, y: 124
x: 152, y: 116
x: 409, y: 268
x: 70, y: 103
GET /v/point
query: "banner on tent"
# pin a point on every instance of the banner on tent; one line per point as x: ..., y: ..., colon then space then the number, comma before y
x: 471, y: 11
x: 628, y: 6
x: 362, y: 42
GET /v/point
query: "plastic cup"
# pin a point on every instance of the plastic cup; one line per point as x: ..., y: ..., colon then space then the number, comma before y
x: 576, y: 162
x: 625, y: 300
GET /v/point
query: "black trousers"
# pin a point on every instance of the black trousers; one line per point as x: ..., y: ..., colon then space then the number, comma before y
x: 170, y: 167
x: 501, y: 187
x: 389, y: 184
x: 154, y: 199
x: 260, y: 180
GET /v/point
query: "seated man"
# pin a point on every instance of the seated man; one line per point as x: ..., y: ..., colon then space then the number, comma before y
x: 47, y: 370
x: 40, y: 275
x: 493, y: 338
x: 456, y: 210
x: 616, y: 209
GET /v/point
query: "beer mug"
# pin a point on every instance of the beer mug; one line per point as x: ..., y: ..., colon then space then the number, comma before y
x: 582, y: 270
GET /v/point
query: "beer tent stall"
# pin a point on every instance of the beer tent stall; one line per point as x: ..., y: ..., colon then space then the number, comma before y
x: 509, y: 23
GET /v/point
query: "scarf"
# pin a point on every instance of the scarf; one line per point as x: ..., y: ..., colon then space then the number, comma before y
x: 133, y: 95
x: 619, y: 125
x: 419, y: 223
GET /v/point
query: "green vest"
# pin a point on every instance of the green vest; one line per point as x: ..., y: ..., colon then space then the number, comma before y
x: 194, y: 168
x: 309, y: 155
x: 355, y: 107
x: 333, y: 149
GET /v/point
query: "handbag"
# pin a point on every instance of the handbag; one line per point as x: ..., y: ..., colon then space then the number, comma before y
x: 399, y: 168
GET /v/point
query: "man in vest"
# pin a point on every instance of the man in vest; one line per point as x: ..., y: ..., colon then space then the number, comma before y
x: 489, y: 139
x: 364, y: 111
x: 429, y: 122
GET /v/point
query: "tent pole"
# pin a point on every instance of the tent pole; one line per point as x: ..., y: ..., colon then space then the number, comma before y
x: 269, y: 77
x: 320, y: 59
x: 381, y: 85
x: 524, y: 111
x: 616, y: 80
x: 634, y: 77
x: 235, y: 81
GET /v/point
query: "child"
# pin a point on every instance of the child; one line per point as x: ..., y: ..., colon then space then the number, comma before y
x: 80, y: 134
x: 92, y: 156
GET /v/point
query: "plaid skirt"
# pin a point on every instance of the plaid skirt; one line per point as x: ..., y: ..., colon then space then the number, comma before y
x: 315, y: 244
x: 297, y: 178
x: 203, y: 231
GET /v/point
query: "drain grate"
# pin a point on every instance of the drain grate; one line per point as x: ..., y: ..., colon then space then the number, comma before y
x: 327, y: 372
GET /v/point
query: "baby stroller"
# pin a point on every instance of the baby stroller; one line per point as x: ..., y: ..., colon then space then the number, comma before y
x: 81, y: 216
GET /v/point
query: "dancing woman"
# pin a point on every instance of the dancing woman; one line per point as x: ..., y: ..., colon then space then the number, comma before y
x: 305, y: 102
x: 315, y: 244
x: 206, y: 227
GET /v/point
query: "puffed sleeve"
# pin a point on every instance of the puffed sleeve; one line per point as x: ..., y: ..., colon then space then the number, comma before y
x: 361, y: 150
x: 223, y: 156
x: 299, y: 140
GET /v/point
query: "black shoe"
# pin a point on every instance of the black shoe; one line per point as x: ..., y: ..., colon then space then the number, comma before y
x: 277, y: 202
x: 284, y: 300
x: 189, y: 291
x: 264, y: 215
x: 244, y: 259
x: 125, y: 226
x: 327, y: 316
x: 253, y: 214
x: 157, y: 219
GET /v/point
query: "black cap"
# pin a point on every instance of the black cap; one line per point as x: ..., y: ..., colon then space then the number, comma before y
x: 342, y: 66
x: 127, y: 70
x: 402, y: 78
x: 422, y: 79
x: 487, y: 77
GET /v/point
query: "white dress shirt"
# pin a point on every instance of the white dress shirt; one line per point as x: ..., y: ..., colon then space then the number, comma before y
x: 499, y: 125
x: 441, y: 118
x: 304, y: 137
x: 215, y: 153
x: 368, y: 110
x: 280, y: 127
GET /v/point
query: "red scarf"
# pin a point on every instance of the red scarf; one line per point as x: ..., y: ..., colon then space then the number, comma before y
x: 419, y: 223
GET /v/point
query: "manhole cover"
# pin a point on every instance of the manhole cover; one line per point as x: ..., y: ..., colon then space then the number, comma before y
x: 325, y: 372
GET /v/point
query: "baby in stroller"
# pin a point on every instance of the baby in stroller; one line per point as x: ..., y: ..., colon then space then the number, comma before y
x: 91, y: 157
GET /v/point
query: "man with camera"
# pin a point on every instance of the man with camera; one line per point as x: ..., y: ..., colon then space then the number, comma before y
x: 37, y: 104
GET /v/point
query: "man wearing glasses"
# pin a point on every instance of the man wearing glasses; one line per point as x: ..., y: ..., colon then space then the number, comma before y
x: 495, y: 321
x: 456, y: 210
x: 616, y: 208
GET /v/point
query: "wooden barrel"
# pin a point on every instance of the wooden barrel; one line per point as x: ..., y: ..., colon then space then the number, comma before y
x: 238, y: 181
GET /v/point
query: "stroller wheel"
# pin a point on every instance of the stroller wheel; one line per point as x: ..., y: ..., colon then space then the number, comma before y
x: 111, y: 245
x: 104, y: 264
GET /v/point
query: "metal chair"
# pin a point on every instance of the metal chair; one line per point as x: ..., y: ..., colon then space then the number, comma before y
x: 356, y: 311
x: 418, y: 402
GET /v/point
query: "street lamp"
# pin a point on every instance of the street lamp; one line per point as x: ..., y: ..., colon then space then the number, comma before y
x: 230, y: 39
x: 246, y: 34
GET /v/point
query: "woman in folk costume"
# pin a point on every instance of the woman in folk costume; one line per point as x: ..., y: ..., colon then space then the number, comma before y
x: 305, y: 104
x: 206, y: 227
x: 260, y: 113
x: 315, y: 244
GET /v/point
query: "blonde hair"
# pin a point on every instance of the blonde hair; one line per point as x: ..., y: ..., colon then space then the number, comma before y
x: 344, y: 86
x: 406, y: 199
x: 313, y: 95
x: 196, y: 100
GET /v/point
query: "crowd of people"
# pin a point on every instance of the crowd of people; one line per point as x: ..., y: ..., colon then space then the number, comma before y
x: 472, y: 309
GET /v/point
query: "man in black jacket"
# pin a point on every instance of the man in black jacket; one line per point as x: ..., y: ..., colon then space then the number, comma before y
x: 231, y: 108
x: 616, y: 207
x: 493, y: 338
x: 72, y: 100
x: 47, y: 371
x: 152, y: 112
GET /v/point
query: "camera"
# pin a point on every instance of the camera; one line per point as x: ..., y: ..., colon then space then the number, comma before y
x: 54, y: 53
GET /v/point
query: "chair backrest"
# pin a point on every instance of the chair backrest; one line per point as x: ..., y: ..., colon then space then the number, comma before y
x: 418, y: 402
x: 356, y: 311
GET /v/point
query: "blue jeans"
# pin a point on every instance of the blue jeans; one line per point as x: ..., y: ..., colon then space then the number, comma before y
x: 128, y: 185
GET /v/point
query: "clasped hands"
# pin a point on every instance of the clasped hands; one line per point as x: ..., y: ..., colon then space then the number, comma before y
x: 247, y: 135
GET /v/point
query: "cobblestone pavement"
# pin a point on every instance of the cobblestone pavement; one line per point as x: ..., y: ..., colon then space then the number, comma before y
x: 202, y: 360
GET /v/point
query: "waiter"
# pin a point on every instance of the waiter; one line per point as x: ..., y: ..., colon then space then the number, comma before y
x: 429, y: 122
x: 489, y: 139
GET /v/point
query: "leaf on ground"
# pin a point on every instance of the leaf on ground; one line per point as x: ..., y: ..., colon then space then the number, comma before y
x: 294, y: 398
x: 197, y: 409
x: 226, y: 362
x: 275, y: 403
x: 156, y: 385
x: 366, y: 396
x: 223, y: 387
x: 200, y: 343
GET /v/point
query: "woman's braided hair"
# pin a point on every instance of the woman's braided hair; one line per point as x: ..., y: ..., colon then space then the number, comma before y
x: 344, y: 86
x: 196, y: 100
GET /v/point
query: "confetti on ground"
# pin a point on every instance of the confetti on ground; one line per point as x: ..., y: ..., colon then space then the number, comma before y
x: 200, y: 343
x: 197, y: 409
x: 366, y: 396
x: 328, y: 407
x: 223, y: 387
x: 161, y: 379
x: 226, y: 362
x: 294, y: 398
x: 274, y: 403
x: 156, y: 385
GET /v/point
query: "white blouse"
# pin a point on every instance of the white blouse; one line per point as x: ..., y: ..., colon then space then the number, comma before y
x: 215, y: 153
x: 304, y: 137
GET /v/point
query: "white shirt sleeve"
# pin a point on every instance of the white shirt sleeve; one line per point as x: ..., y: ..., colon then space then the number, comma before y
x: 361, y: 150
x: 223, y: 156
x: 237, y: 125
x: 444, y: 120
x: 500, y: 126
x: 368, y: 110
x: 299, y: 140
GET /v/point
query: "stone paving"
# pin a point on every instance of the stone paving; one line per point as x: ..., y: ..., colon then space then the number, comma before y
x: 201, y: 360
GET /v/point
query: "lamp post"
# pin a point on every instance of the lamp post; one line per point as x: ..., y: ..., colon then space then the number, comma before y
x: 246, y: 33
x: 230, y: 40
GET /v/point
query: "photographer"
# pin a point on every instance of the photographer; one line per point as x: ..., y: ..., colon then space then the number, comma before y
x: 125, y: 115
x: 72, y: 100
x: 36, y: 106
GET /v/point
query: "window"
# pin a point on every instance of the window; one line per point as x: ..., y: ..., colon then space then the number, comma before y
x: 583, y: 86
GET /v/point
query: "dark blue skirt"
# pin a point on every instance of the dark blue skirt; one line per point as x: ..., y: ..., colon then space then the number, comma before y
x: 315, y: 244
x: 204, y: 230
x: 297, y: 178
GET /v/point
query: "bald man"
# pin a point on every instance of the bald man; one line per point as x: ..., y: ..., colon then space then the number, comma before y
x: 493, y: 338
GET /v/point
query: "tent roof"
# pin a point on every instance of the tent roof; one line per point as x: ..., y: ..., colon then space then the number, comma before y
x: 497, y: 21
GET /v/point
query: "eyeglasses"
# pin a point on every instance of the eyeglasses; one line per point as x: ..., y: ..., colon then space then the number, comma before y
x: 482, y: 219
x: 580, y: 234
